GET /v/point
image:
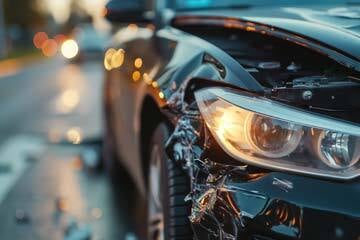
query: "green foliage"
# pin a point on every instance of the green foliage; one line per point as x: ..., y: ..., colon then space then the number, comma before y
x: 24, y: 13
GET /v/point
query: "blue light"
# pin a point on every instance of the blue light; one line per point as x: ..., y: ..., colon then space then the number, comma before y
x: 197, y: 3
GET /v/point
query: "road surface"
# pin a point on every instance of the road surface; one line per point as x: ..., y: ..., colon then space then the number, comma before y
x: 50, y: 112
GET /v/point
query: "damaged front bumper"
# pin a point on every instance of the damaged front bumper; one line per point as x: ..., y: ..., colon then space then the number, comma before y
x: 242, y: 202
x: 282, y: 206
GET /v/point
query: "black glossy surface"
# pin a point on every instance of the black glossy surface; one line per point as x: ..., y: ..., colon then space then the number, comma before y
x: 304, y: 208
x: 324, y: 23
x: 271, y: 205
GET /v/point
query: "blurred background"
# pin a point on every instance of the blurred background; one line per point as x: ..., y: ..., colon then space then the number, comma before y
x: 45, y: 24
x: 51, y: 73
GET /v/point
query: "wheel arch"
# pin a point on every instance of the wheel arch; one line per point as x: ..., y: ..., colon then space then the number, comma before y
x: 150, y: 117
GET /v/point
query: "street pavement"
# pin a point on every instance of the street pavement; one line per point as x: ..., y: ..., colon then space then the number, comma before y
x: 50, y: 127
x: 50, y: 98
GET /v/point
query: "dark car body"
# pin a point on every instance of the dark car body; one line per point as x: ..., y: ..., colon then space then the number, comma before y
x: 221, y: 47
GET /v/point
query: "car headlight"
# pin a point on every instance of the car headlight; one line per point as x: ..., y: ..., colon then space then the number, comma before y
x: 268, y: 134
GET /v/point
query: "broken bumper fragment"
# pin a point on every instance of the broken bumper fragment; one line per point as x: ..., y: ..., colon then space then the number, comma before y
x: 240, y: 202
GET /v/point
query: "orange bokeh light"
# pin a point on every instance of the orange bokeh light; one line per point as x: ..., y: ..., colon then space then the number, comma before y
x: 147, y: 79
x: 104, y: 12
x: 60, y: 38
x: 155, y: 84
x: 117, y: 58
x: 39, y: 39
x: 161, y: 95
x: 49, y: 48
x: 151, y: 27
x: 136, y: 76
x: 138, y: 62
x: 132, y: 27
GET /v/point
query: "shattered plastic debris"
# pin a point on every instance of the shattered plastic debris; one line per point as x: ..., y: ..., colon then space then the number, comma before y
x: 184, y: 138
x: 74, y: 231
x: 220, y: 207
x: 209, y: 190
x: 21, y: 216
x: 205, y: 203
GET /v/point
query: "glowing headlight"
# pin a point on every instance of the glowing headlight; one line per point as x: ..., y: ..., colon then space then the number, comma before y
x: 261, y: 132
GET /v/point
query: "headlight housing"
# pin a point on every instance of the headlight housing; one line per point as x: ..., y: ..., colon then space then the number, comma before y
x: 268, y: 134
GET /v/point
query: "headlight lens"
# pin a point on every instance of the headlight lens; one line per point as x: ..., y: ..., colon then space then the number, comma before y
x: 261, y: 132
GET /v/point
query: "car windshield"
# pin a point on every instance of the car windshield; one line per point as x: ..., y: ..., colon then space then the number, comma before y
x: 208, y: 4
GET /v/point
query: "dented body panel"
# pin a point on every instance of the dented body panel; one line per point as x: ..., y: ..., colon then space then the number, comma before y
x: 169, y: 58
x: 231, y: 200
x: 240, y: 202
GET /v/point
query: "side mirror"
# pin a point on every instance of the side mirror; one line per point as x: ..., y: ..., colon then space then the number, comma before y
x: 126, y: 11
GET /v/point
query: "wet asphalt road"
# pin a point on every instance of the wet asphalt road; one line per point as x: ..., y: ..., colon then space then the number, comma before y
x: 50, y: 97
x: 46, y: 189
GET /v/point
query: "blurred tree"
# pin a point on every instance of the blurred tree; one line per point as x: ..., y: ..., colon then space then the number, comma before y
x: 23, y: 13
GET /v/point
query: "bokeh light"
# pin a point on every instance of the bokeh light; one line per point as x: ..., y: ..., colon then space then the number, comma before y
x: 108, y: 58
x: 74, y: 135
x: 117, y: 58
x: 70, y: 49
x: 136, y: 76
x: 147, y: 79
x: 155, y: 84
x: 151, y: 27
x: 138, y: 62
x: 68, y: 101
x: 49, y: 48
x: 161, y: 95
x: 39, y: 39
x: 60, y: 39
x: 104, y: 12
x: 132, y: 27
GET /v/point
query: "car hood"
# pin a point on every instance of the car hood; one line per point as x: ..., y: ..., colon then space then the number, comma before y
x: 336, y: 27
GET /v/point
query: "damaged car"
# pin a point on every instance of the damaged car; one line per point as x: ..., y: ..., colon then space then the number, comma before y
x: 237, y: 119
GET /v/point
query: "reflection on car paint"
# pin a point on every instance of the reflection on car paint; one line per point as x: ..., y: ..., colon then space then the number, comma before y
x: 271, y: 31
x: 283, y: 184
